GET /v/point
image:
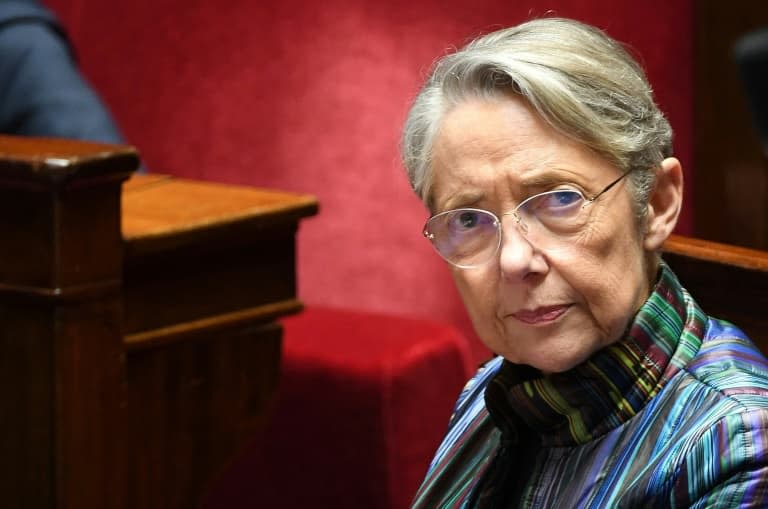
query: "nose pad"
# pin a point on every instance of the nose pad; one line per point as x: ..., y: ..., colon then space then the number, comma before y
x: 522, y: 226
x: 516, y: 253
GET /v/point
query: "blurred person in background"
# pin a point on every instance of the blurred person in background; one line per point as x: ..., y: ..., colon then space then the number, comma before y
x: 42, y: 92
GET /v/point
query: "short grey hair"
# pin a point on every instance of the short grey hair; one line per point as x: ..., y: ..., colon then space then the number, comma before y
x: 578, y: 79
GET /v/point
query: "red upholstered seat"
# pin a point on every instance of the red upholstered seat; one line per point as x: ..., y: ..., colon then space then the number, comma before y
x: 363, y: 403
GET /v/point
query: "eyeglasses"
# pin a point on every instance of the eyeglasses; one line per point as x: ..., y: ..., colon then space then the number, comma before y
x: 469, y: 238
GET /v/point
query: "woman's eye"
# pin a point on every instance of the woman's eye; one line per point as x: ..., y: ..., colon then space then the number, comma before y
x: 560, y: 199
x: 466, y: 220
x: 557, y: 201
x: 463, y: 221
x: 554, y: 203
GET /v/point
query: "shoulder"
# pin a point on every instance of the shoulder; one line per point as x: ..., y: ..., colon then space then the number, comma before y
x: 721, y: 410
x: 469, y: 421
x: 13, y: 12
x: 30, y: 37
x: 730, y: 364
x: 472, y: 397
x: 727, y: 465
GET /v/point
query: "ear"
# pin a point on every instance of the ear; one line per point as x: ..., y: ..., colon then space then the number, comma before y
x: 664, y: 204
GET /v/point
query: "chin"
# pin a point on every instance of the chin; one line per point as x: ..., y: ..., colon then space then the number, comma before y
x: 549, y: 368
x: 575, y: 358
x: 554, y: 360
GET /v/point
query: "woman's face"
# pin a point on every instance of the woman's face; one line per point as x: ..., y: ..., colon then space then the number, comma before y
x: 548, y: 308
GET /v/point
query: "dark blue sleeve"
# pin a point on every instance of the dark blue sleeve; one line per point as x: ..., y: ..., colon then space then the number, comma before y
x: 42, y: 92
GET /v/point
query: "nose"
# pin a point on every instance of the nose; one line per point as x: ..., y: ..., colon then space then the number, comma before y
x: 518, y: 257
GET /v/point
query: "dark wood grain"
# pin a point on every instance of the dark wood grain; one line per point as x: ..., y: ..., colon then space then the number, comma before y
x: 194, y: 403
x: 63, y: 398
x: 208, y: 268
x: 139, y: 349
x: 729, y: 282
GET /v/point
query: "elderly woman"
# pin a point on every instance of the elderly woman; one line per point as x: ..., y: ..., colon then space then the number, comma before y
x: 549, y: 174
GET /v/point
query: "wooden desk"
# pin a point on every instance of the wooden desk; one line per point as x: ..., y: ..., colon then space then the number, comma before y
x: 138, y: 349
x: 208, y: 267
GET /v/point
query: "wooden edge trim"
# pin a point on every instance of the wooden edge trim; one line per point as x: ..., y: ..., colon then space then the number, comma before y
x: 165, y: 335
x: 61, y: 294
x: 716, y: 252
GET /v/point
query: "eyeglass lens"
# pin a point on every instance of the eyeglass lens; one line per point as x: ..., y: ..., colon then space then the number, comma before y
x: 464, y: 237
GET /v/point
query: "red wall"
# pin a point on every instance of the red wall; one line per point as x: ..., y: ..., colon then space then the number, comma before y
x: 310, y: 96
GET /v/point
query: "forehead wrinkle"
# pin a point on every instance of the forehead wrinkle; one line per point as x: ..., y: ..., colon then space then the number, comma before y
x: 495, y: 181
x: 456, y: 192
x: 458, y: 173
x: 464, y: 199
x: 471, y: 166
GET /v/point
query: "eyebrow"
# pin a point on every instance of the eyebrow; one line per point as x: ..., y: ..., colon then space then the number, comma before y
x: 461, y: 199
x: 542, y: 179
x: 550, y: 177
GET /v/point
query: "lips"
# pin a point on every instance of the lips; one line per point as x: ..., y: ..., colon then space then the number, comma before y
x: 541, y: 315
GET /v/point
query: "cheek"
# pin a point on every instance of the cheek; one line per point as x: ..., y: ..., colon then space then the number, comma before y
x: 609, y: 277
x: 476, y: 287
x: 610, y: 254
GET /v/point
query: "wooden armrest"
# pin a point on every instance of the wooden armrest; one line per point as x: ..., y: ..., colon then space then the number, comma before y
x: 717, y: 253
x: 729, y: 282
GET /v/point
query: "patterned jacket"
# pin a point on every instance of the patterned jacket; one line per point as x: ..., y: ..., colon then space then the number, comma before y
x: 673, y: 415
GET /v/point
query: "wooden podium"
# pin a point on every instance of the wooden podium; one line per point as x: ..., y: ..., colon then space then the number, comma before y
x: 138, y: 349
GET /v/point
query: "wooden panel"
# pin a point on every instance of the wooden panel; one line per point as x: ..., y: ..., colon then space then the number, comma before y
x: 26, y: 385
x: 207, y: 269
x: 138, y: 352
x: 193, y: 405
x: 728, y: 282
x: 209, y: 279
x: 62, y: 397
x: 90, y: 398
x: 202, y: 254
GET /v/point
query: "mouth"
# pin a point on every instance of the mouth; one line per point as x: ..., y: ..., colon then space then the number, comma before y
x: 542, y: 315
